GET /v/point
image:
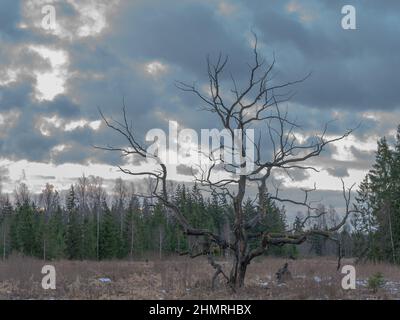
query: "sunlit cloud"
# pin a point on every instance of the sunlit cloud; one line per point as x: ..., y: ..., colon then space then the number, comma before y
x: 156, y: 68
x: 304, y: 13
x: 51, y: 83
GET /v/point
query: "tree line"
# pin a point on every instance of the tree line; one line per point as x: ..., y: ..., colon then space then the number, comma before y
x: 92, y: 224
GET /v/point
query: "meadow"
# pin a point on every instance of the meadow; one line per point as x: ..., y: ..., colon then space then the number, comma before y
x: 183, y: 278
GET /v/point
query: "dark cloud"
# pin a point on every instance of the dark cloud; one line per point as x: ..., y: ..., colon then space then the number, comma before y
x: 62, y: 106
x: 353, y: 71
x: 180, y: 33
x: 361, y: 154
x: 9, y: 18
x: 44, y: 177
x: 186, y: 170
x: 339, y: 172
x: 298, y: 174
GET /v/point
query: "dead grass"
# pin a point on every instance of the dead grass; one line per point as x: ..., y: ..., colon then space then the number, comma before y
x: 182, y: 278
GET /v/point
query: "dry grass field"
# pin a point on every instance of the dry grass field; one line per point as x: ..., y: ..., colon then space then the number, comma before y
x: 182, y: 278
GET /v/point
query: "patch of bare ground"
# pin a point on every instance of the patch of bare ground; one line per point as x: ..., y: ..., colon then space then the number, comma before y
x: 182, y: 278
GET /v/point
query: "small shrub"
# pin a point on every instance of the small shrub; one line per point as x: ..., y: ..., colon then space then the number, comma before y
x: 375, y: 282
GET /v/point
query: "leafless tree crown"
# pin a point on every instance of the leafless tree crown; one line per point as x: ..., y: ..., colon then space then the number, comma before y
x: 256, y: 104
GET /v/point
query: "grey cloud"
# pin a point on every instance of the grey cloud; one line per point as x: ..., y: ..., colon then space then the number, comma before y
x: 62, y: 106
x: 180, y: 33
x: 351, y: 70
x: 185, y: 170
x: 44, y: 177
x: 339, y: 172
x: 361, y: 154
x: 298, y: 175
x: 9, y: 17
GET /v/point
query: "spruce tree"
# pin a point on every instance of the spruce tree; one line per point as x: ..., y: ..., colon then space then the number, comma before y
x: 23, y: 230
x: 89, y: 237
x: 56, y: 243
x: 74, y: 231
x: 131, y: 228
x: 377, y: 223
x: 109, y: 235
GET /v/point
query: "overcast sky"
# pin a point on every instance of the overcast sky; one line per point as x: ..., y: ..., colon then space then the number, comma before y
x: 52, y: 82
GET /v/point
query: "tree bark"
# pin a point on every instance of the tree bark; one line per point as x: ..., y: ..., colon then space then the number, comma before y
x: 238, y: 272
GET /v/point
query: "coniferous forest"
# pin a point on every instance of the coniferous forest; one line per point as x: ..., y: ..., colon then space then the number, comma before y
x: 91, y: 224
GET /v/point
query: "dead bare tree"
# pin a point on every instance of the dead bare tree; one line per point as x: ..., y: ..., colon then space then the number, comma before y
x: 254, y: 105
x: 82, y: 190
x: 49, y: 199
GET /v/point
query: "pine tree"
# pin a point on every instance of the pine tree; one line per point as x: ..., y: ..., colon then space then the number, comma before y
x: 377, y: 224
x: 23, y: 233
x: 89, y: 239
x: 74, y: 228
x: 131, y: 226
x: 6, y: 212
x: 364, y: 223
x: 382, y: 200
x: 109, y: 235
x: 395, y: 195
x: 298, y: 224
x: 56, y: 243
